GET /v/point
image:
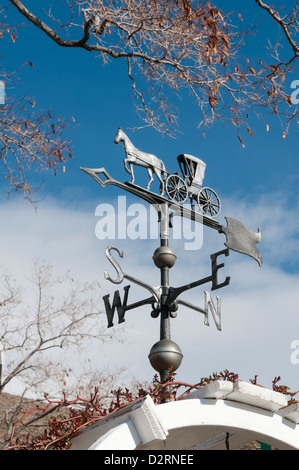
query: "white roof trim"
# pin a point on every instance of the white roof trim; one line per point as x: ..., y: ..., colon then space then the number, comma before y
x: 200, y: 421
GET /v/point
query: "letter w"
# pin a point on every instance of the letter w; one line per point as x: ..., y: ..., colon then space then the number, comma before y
x: 120, y: 307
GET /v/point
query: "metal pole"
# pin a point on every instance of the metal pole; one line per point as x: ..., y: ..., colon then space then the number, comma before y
x: 165, y: 318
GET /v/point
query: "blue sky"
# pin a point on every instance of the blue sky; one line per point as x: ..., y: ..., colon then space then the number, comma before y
x: 75, y: 83
x: 258, y: 185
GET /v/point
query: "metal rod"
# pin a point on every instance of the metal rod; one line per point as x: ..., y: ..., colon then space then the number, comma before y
x: 165, y: 317
x: 164, y: 241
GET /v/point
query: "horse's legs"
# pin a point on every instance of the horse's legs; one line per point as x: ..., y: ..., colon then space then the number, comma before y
x: 158, y: 173
x: 150, y: 174
x: 132, y: 172
x: 125, y: 165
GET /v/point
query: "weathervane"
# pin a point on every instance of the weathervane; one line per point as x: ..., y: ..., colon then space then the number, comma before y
x: 175, y: 190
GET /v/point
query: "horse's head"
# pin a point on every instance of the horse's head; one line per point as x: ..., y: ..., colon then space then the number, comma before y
x: 118, y: 135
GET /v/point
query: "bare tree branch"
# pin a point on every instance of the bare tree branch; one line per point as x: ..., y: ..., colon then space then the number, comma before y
x: 30, y: 139
x: 65, y: 315
x: 289, y: 23
x: 53, y: 314
x: 176, y: 46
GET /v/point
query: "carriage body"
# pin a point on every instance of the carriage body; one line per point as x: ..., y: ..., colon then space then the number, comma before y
x: 193, y: 171
x: 191, y: 185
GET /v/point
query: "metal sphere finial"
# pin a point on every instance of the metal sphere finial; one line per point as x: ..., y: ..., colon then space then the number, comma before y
x: 164, y: 257
x: 165, y: 355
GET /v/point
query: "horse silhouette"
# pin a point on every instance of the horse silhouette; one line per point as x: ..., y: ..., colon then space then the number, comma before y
x: 135, y: 156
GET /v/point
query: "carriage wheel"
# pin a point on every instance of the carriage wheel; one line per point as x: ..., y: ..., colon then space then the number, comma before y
x: 208, y: 202
x: 176, y: 188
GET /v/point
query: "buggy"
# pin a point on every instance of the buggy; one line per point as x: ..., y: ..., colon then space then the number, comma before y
x: 189, y: 185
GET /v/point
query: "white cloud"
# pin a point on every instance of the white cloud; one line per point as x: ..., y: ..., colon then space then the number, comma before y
x: 260, y: 315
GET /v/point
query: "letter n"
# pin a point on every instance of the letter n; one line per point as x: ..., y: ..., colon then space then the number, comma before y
x: 116, y: 304
x: 209, y: 304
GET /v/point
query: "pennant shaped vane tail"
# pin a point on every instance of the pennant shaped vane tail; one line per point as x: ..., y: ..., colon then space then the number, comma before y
x: 241, y: 239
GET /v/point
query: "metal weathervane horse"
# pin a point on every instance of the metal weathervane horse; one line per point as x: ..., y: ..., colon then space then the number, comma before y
x: 146, y: 160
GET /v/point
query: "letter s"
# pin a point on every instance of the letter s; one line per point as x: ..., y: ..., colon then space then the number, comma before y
x: 120, y: 274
